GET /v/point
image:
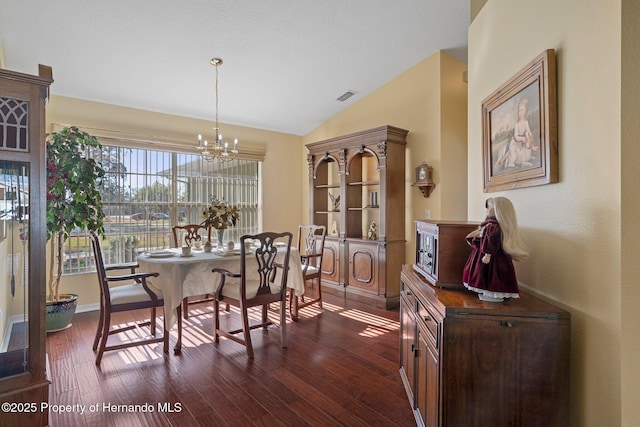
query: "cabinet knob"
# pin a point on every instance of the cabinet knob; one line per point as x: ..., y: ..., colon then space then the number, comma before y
x: 507, y: 323
x: 426, y: 318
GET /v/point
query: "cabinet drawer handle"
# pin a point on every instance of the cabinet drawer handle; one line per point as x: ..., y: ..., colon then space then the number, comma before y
x: 507, y: 323
x: 426, y: 318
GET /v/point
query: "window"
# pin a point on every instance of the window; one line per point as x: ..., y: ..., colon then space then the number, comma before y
x: 146, y: 192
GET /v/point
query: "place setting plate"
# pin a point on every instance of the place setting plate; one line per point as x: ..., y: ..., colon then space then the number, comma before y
x: 160, y: 254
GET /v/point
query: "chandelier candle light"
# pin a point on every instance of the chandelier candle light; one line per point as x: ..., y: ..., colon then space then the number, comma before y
x: 220, y: 150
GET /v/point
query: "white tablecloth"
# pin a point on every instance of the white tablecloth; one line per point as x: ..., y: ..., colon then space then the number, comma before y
x: 182, y: 277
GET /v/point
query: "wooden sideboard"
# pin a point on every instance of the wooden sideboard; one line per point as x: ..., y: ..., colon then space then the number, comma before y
x: 465, y: 362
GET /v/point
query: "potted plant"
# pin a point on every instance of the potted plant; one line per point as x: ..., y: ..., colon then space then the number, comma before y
x: 220, y: 215
x: 73, y: 201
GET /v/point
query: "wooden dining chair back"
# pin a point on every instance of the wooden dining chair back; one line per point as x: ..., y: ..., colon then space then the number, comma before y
x: 262, y: 280
x: 128, y: 297
x: 311, y: 247
x: 188, y: 235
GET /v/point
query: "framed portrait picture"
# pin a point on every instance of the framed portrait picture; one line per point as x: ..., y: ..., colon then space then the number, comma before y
x: 520, y: 129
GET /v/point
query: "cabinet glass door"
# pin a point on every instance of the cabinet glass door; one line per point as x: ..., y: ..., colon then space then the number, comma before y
x: 326, y: 197
x: 14, y: 280
x: 363, y: 197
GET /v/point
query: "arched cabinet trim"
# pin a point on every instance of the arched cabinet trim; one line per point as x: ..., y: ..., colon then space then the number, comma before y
x: 314, y: 162
x: 366, y: 152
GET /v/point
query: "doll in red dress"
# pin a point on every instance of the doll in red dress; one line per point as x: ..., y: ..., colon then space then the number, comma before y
x: 496, y: 244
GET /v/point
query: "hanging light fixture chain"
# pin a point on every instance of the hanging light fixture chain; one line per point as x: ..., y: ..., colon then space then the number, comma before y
x: 217, y: 129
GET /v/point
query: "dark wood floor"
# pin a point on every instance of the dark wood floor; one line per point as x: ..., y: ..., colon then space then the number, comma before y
x: 341, y: 368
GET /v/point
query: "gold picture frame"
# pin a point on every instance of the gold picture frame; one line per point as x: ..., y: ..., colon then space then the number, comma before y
x: 520, y: 128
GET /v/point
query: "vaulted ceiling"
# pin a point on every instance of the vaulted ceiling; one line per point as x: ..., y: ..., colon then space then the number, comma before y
x: 285, y: 61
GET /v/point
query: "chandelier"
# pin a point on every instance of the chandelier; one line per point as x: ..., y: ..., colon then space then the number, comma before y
x: 220, y: 149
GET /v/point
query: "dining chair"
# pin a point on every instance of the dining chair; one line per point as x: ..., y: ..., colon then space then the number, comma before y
x: 260, y: 285
x: 189, y: 234
x: 115, y: 299
x: 311, y: 247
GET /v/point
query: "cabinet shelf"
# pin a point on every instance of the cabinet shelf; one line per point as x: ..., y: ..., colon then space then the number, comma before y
x: 364, y: 208
x: 364, y: 240
x: 326, y: 212
x: 365, y: 183
x: 328, y: 186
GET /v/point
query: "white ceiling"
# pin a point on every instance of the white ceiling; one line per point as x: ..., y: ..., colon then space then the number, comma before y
x: 285, y: 61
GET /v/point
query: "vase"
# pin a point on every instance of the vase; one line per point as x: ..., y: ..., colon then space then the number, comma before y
x: 207, y: 246
x: 220, y: 237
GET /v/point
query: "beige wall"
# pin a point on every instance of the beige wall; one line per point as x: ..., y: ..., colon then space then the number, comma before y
x: 476, y: 7
x: 630, y: 374
x: 282, y: 182
x: 11, y: 308
x: 429, y: 100
x: 573, y: 227
x: 5, y: 291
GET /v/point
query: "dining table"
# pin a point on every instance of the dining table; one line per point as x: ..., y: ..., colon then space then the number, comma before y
x: 182, y: 276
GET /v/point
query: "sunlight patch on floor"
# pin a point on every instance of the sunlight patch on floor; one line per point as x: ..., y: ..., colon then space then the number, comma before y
x: 198, y: 329
x: 132, y: 355
x: 140, y: 354
x: 376, y: 325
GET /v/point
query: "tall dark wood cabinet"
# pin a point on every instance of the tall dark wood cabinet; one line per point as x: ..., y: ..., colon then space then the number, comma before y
x: 465, y: 362
x: 355, y: 181
x: 23, y: 375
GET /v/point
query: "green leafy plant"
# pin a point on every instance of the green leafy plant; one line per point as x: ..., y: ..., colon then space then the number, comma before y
x: 220, y: 215
x: 73, y: 198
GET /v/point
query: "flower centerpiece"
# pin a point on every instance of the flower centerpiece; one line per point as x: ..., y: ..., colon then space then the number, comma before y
x: 220, y: 215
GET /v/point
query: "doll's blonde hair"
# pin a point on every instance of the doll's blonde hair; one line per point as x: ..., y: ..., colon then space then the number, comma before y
x: 506, y: 215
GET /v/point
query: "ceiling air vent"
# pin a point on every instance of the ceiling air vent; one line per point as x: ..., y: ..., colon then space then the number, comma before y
x: 348, y: 94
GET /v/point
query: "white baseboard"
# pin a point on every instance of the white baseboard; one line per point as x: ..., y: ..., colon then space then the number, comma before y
x: 7, y: 331
x: 18, y: 318
x: 87, y: 307
x: 7, y: 336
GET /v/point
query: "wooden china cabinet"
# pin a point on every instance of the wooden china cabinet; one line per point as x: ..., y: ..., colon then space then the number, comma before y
x: 24, y: 385
x: 356, y: 189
